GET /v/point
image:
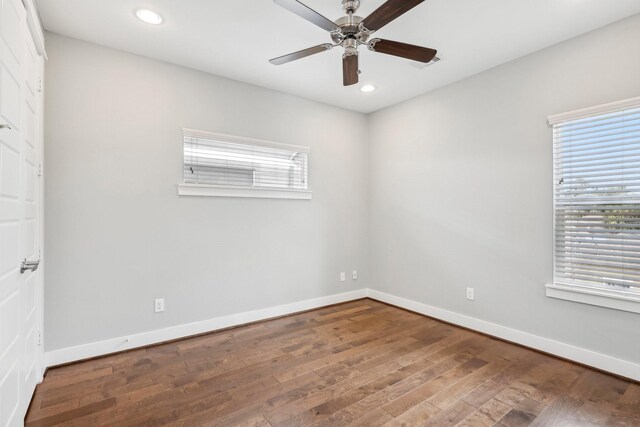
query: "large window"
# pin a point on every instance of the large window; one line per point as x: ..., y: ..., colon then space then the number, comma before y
x: 597, y: 205
x: 229, y: 166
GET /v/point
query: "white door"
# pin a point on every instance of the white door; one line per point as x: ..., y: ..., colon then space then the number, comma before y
x: 20, y: 215
x: 30, y: 245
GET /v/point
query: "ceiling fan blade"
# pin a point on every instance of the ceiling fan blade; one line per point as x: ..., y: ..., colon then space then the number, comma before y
x: 307, y: 13
x: 301, y: 54
x: 350, y: 69
x: 389, y: 11
x: 403, y: 50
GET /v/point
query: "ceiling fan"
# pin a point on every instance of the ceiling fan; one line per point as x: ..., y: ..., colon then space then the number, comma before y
x: 353, y: 31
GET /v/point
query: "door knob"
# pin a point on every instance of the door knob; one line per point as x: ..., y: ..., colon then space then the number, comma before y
x: 5, y: 127
x: 29, y: 265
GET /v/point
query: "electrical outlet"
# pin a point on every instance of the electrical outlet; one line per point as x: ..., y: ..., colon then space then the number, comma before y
x: 159, y: 305
x: 354, y: 275
x: 471, y: 294
x: 343, y: 276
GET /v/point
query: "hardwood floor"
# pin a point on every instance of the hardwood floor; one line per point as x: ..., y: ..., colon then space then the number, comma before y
x: 359, y: 364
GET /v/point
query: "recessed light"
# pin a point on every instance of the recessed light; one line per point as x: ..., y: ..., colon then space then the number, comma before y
x: 149, y: 16
x: 367, y: 88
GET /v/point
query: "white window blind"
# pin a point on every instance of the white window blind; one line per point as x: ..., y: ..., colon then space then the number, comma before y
x: 234, y: 162
x: 597, y: 197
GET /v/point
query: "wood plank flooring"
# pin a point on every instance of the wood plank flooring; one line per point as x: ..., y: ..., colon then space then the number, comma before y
x: 361, y: 363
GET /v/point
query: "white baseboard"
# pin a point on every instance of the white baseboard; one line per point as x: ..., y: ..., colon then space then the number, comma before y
x: 600, y: 361
x: 113, y: 345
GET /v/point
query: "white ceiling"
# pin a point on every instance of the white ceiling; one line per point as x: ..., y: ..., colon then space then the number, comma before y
x: 235, y: 38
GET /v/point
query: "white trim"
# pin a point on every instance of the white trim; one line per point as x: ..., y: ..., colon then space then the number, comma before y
x: 201, y: 190
x: 618, y: 300
x: 597, y: 360
x: 35, y: 27
x: 592, y: 111
x: 113, y: 345
x: 600, y: 361
x: 221, y: 137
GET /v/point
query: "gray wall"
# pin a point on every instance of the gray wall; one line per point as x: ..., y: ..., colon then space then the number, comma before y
x: 117, y: 234
x: 461, y: 190
x: 448, y: 190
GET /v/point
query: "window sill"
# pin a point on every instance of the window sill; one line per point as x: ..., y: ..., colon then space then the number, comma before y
x: 196, y: 190
x: 617, y: 300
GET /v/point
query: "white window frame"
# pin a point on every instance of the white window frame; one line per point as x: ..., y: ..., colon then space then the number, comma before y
x: 202, y: 190
x: 609, y: 298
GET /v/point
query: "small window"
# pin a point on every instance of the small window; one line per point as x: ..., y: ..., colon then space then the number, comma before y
x: 597, y: 201
x: 229, y: 166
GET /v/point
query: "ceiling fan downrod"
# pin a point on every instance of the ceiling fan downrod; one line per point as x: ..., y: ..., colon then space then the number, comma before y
x: 350, y: 6
x: 349, y: 32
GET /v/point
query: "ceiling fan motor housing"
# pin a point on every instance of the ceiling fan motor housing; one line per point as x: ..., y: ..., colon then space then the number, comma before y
x: 349, y: 29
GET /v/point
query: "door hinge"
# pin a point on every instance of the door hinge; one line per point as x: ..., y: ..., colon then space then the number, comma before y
x: 39, y: 338
x: 39, y: 169
x: 40, y: 84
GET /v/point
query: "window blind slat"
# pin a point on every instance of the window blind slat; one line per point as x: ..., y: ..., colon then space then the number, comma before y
x: 592, y: 153
x: 598, y: 120
x: 632, y: 158
x: 618, y: 274
x: 586, y: 172
x: 610, y: 143
x: 605, y: 255
x: 576, y: 243
x: 597, y: 200
x: 595, y: 280
x: 598, y: 133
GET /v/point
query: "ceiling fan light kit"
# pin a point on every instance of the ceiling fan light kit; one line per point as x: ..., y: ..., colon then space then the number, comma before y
x: 352, y: 31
